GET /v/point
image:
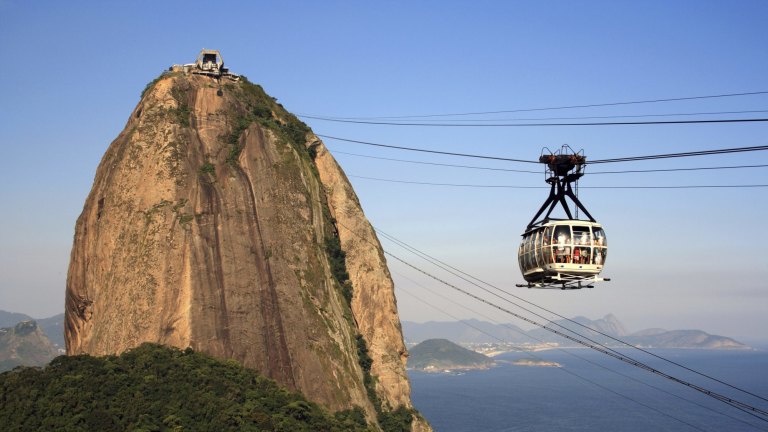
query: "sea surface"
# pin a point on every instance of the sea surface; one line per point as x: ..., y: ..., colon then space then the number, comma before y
x: 586, y: 395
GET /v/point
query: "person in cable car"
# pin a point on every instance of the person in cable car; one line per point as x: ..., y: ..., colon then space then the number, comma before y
x: 564, y: 253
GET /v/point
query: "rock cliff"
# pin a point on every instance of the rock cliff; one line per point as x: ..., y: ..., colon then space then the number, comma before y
x: 218, y: 221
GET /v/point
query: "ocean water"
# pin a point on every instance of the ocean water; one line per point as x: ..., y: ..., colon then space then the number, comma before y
x: 583, y: 396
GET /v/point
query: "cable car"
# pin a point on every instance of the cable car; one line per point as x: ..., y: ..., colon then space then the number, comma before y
x: 562, y: 253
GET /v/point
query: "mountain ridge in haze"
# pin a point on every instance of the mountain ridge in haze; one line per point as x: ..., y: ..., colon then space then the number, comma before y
x: 468, y: 332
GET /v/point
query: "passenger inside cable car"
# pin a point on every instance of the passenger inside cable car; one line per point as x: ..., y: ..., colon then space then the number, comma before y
x: 563, y: 248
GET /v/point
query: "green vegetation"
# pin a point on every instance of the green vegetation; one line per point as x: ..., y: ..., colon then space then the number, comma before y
x: 337, y: 260
x: 151, y: 84
x: 207, y: 168
x: 149, y: 214
x: 442, y: 354
x: 398, y: 420
x: 181, y: 113
x: 257, y: 106
x: 186, y: 218
x: 156, y: 388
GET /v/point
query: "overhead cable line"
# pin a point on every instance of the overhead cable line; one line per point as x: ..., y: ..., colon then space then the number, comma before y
x: 594, y: 117
x: 451, y: 269
x: 541, y: 171
x: 581, y: 377
x: 533, y: 354
x: 624, y: 123
x: 636, y: 102
x: 426, y: 150
x: 680, y: 169
x: 682, y: 154
x: 570, y: 118
x: 485, y: 186
x: 627, y: 159
x: 754, y: 411
x: 437, y: 164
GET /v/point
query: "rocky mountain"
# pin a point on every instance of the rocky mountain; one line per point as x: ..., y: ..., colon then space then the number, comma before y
x: 218, y: 221
x: 442, y: 354
x: 53, y: 327
x: 683, y: 339
x: 467, y: 333
x: 24, y: 344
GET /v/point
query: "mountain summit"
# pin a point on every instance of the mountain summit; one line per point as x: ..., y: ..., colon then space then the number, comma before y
x: 218, y: 221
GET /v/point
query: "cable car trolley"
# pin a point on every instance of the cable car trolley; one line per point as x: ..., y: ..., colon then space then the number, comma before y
x: 562, y: 253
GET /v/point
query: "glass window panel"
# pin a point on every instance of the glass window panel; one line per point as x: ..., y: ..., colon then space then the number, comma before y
x: 562, y: 235
x: 599, y: 258
x: 600, y: 239
x: 581, y: 255
x: 582, y: 236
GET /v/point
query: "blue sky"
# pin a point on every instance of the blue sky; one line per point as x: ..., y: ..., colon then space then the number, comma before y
x: 679, y: 259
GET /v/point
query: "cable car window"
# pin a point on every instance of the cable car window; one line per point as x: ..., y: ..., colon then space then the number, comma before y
x: 524, y: 252
x: 563, y: 241
x: 547, y: 236
x: 526, y: 243
x: 563, y: 235
x: 581, y: 255
x: 531, y: 251
x: 600, y: 254
x: 581, y: 236
x: 600, y: 239
x: 540, y: 248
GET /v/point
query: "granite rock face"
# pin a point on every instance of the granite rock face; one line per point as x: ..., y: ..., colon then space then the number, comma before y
x: 208, y: 226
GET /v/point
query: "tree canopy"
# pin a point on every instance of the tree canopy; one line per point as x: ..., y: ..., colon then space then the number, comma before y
x: 157, y: 388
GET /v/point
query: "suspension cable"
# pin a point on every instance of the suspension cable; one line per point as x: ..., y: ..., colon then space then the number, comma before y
x: 647, y: 101
x: 625, y: 159
x: 622, y: 123
x: 722, y: 167
x: 756, y: 412
x: 533, y: 354
x: 442, y: 265
x: 469, y: 185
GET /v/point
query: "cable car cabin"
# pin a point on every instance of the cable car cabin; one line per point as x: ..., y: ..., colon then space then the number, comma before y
x: 563, y: 253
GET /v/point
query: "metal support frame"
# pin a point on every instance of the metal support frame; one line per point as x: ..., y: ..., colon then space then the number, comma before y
x: 563, y: 169
x: 565, y: 282
x: 561, y: 188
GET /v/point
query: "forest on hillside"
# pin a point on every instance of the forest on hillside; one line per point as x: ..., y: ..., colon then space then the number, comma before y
x: 156, y: 388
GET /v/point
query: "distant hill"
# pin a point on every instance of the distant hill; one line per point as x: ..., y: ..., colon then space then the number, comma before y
x: 472, y: 330
x: 53, y: 327
x: 153, y: 388
x: 684, y: 339
x: 24, y: 344
x: 10, y: 319
x: 466, y: 332
x: 441, y: 354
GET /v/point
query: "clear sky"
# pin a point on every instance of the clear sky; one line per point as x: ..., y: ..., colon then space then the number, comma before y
x: 73, y: 71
